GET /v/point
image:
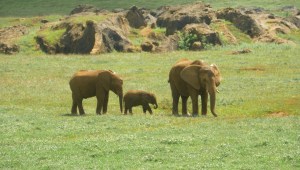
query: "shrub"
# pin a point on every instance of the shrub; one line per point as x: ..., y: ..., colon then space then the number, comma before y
x: 186, y: 40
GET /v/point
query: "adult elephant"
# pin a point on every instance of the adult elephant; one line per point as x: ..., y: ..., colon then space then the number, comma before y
x: 190, y: 79
x: 90, y: 83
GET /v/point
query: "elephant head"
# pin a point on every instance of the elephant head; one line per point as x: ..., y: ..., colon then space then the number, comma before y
x: 203, y: 78
x: 110, y: 81
x: 151, y: 98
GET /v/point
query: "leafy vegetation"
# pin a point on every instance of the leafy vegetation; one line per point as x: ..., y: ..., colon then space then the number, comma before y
x: 186, y: 40
x: 258, y: 88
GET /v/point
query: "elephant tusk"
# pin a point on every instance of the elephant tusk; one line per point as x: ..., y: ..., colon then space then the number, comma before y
x: 218, y: 91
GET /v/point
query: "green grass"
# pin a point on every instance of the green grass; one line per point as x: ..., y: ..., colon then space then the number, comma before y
x: 52, y: 36
x: 37, y: 133
x: 89, y: 17
x: 37, y: 7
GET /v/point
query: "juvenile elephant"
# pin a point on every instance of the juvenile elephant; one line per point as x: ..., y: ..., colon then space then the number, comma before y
x: 139, y: 97
x: 89, y: 83
x: 190, y: 79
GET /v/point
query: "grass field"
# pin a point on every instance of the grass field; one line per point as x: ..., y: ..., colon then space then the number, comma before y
x: 257, y: 128
x: 23, y: 8
x: 258, y: 104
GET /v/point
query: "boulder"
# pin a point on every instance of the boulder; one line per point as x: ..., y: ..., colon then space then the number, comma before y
x: 204, y: 33
x: 147, y: 46
x: 259, y: 24
x: 241, y: 20
x: 78, y: 39
x: 176, y: 17
x: 295, y: 20
x: 90, y: 37
x: 169, y: 43
x: 197, y: 45
x: 8, y: 48
x: 135, y: 18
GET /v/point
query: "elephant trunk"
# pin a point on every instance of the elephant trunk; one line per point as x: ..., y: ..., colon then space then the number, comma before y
x: 121, y: 102
x: 212, y: 95
x: 155, y: 106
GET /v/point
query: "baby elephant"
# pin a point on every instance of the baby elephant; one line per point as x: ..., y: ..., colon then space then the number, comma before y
x: 139, y: 97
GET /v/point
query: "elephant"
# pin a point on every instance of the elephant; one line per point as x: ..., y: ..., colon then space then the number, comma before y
x: 139, y: 97
x: 89, y: 83
x: 190, y: 79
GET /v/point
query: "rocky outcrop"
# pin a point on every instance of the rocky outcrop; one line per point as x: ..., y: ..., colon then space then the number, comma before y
x: 8, y: 38
x: 78, y: 39
x: 7, y: 48
x: 241, y: 20
x: 90, y: 37
x: 147, y: 46
x: 176, y: 17
x: 85, y: 8
x: 135, y: 18
x: 204, y: 33
x: 258, y: 24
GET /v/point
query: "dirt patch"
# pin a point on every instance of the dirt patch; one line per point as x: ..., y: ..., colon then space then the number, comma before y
x: 278, y: 114
x: 244, y: 51
x: 145, y: 32
x: 252, y: 69
x: 8, y: 38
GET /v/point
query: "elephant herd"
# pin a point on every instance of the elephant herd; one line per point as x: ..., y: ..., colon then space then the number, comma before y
x: 186, y: 78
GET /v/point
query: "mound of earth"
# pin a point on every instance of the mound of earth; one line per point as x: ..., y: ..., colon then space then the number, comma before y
x: 258, y: 24
x: 8, y: 38
x: 204, y: 33
x: 177, y: 17
x: 89, y: 30
x: 90, y: 37
x: 86, y: 8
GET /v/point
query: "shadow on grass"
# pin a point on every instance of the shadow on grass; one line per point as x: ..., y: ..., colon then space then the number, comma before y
x: 72, y: 115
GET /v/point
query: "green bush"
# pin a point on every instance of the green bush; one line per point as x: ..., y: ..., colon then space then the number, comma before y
x: 186, y: 40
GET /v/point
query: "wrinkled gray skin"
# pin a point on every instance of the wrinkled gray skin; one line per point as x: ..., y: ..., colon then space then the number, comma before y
x: 89, y: 83
x: 138, y: 97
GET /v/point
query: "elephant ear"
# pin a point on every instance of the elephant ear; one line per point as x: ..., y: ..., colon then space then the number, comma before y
x: 104, y: 79
x: 190, y: 75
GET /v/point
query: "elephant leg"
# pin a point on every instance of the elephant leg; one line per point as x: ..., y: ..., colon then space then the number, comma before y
x: 80, y: 107
x: 74, y: 105
x: 126, y: 109
x: 105, y: 102
x: 144, y: 109
x: 149, y: 109
x: 194, y: 98
x: 184, y: 105
x: 74, y: 108
x: 100, y: 101
x: 204, y: 98
x: 175, y: 97
x: 130, y: 110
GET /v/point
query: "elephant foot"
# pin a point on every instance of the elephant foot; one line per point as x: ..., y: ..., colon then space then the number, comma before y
x: 186, y: 115
x: 195, y: 115
x: 176, y: 115
x: 215, y: 115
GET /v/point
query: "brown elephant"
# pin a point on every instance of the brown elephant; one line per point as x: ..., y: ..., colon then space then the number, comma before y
x: 190, y: 79
x: 139, y: 97
x: 89, y: 83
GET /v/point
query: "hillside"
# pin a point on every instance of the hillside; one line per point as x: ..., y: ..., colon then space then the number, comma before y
x: 20, y: 8
x: 196, y: 26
